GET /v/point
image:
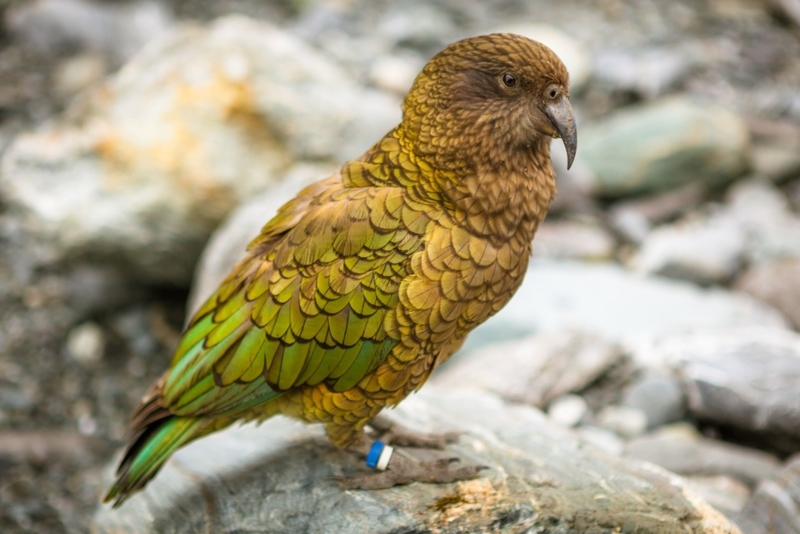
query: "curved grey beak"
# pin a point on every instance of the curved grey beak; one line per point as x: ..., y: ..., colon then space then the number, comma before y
x: 563, y: 121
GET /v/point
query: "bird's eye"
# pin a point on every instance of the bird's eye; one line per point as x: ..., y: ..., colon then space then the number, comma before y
x: 509, y: 80
x: 553, y: 92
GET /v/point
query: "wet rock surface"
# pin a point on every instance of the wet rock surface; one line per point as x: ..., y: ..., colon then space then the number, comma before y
x: 538, y: 477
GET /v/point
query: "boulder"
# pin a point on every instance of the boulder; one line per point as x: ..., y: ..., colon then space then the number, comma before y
x: 534, y: 370
x: 683, y: 450
x: 745, y: 378
x: 139, y: 173
x: 702, y: 250
x: 663, y: 145
x: 279, y: 477
x: 608, y: 300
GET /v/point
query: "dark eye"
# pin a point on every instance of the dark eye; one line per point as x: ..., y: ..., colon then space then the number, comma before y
x: 553, y: 92
x: 509, y: 79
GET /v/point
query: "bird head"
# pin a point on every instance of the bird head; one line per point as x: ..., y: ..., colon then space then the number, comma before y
x: 485, y: 96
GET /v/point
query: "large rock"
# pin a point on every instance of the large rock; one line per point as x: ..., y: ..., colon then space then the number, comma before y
x: 608, y: 300
x: 683, y: 450
x: 205, y: 117
x: 746, y: 378
x: 701, y: 250
x: 279, y: 478
x: 664, y: 145
x: 534, y: 370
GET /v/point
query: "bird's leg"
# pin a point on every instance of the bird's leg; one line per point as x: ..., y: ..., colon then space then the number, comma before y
x: 398, y: 468
x: 393, y: 433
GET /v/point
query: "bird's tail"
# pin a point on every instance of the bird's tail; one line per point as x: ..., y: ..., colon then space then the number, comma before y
x: 149, y: 451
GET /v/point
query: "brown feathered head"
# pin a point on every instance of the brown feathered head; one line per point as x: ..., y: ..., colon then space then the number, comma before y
x: 481, y: 97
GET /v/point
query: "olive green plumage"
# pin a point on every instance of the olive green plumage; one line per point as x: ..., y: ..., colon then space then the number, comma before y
x: 367, y: 280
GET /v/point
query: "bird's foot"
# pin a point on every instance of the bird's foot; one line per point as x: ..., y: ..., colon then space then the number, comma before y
x: 403, y: 470
x: 392, y: 433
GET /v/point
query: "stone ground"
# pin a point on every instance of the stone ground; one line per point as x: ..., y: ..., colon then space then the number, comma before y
x: 80, y: 339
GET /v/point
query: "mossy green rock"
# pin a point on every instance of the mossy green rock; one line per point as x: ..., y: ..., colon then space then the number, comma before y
x: 665, y: 144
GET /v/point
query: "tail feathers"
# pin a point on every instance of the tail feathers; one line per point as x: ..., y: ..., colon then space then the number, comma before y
x: 148, y: 452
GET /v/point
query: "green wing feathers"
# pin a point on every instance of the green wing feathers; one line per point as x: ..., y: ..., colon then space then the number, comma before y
x: 307, y: 305
x: 308, y: 308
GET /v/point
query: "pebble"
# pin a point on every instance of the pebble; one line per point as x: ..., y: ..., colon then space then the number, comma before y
x: 568, y: 410
x: 659, y: 396
x: 86, y: 343
x: 625, y: 421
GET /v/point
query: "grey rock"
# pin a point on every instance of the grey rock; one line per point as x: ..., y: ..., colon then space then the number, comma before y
x: 608, y: 300
x: 659, y: 396
x: 634, y: 219
x: 778, y: 284
x: 568, y: 410
x: 573, y: 240
x: 663, y: 145
x: 535, y: 370
x: 702, y: 250
x: 416, y: 24
x: 228, y: 243
x: 624, y: 421
x: 746, y: 378
x: 114, y: 30
x: 763, y: 211
x: 726, y: 494
x: 681, y: 449
x: 773, y: 506
x: 278, y: 478
x: 138, y: 174
x: 649, y: 73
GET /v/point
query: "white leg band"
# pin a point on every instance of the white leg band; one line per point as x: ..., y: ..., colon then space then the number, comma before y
x: 383, y: 460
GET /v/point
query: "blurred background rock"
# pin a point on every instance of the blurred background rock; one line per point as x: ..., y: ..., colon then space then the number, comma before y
x: 133, y: 132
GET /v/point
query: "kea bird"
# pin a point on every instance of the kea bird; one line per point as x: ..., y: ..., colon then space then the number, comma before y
x: 367, y: 280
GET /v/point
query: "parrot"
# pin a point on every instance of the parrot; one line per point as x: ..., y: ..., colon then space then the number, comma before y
x: 369, y: 279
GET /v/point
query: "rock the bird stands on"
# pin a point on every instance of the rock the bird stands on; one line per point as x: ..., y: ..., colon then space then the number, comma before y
x: 369, y: 279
